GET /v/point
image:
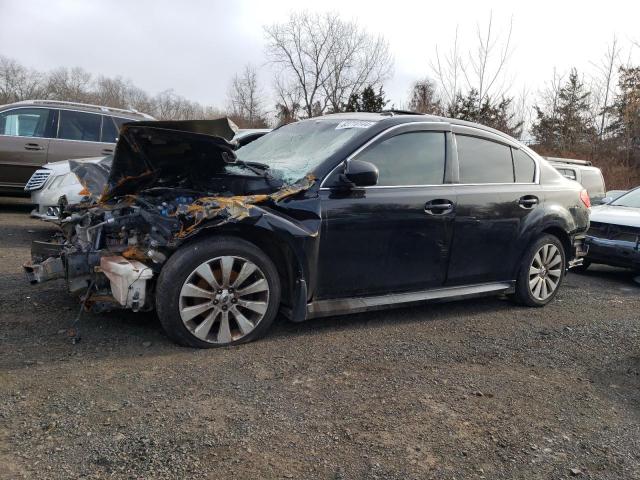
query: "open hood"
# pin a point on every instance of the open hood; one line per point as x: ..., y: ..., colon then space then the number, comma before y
x: 160, y: 153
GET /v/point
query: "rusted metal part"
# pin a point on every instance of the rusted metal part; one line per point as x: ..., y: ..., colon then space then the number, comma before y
x: 135, y: 253
x: 238, y: 207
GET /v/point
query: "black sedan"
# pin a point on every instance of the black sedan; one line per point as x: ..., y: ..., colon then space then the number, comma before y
x: 331, y: 215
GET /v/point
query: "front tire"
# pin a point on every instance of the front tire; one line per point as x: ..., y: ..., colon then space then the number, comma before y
x: 541, y: 272
x: 216, y: 292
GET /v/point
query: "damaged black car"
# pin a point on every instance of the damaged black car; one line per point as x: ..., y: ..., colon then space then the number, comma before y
x: 331, y: 215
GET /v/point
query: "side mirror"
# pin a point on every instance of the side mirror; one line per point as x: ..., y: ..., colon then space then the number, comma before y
x: 606, y: 200
x: 361, y: 174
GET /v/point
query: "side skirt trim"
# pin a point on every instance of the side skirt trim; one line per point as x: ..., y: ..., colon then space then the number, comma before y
x: 343, y: 306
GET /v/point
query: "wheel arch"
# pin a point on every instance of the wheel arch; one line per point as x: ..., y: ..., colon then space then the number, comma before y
x: 274, y: 244
x: 562, y: 235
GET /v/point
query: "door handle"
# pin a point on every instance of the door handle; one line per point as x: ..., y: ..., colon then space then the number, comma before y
x: 438, y: 207
x: 107, y: 151
x: 33, y: 146
x: 528, y: 201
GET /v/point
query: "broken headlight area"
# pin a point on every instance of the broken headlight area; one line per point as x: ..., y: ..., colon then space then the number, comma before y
x: 163, y: 186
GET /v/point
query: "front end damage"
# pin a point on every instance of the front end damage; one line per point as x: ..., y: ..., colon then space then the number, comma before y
x: 167, y: 182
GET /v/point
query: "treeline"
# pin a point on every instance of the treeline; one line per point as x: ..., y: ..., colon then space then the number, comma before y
x: 320, y: 63
x: 18, y: 82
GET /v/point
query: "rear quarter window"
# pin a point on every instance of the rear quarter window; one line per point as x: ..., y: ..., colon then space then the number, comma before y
x: 523, y: 166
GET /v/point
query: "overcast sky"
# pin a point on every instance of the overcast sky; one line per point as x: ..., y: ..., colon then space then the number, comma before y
x: 195, y: 47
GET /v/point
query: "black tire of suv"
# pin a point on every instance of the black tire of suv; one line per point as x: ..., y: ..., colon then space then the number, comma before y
x: 180, y: 265
x: 523, y: 294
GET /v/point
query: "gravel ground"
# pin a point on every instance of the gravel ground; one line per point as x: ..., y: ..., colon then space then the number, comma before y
x: 474, y: 389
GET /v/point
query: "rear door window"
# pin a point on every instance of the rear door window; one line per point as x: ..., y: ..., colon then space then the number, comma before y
x: 25, y: 122
x: 483, y: 161
x: 109, y: 130
x: 414, y: 158
x: 523, y: 166
x: 79, y: 126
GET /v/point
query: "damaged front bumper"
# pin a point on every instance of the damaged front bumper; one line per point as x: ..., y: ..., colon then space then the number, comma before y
x: 108, y: 281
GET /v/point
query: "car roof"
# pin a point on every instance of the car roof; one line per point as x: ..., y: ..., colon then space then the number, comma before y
x: 398, y: 117
x: 85, y: 107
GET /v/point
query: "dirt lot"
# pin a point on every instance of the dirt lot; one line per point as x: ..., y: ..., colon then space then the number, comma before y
x: 476, y: 389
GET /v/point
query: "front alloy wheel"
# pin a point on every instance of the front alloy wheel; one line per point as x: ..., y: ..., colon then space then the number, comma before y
x: 224, y: 299
x: 217, y: 291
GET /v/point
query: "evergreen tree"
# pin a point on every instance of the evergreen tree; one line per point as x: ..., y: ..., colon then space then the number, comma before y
x: 566, y: 126
x: 492, y: 113
x: 625, y: 112
x: 366, y: 101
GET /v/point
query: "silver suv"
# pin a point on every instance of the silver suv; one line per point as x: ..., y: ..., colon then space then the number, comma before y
x: 583, y: 172
x: 35, y: 132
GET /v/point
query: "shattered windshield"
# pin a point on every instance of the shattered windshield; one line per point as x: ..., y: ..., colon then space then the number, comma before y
x: 294, y: 150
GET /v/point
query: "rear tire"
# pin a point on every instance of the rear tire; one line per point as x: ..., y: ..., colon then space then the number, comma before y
x: 216, y: 292
x: 541, y: 272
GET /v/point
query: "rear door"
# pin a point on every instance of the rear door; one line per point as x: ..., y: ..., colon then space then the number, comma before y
x: 78, y: 136
x: 24, y: 143
x: 496, y: 195
x: 395, y: 236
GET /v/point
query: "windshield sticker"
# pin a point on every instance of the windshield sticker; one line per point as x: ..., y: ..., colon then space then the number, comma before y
x: 354, y: 124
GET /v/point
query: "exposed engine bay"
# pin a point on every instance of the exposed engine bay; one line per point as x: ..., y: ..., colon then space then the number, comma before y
x: 165, y: 183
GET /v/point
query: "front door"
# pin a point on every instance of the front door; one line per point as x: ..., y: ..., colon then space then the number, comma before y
x: 24, y: 144
x: 395, y: 236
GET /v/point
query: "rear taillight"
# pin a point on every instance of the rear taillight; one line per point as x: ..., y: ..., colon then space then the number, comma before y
x: 584, y: 196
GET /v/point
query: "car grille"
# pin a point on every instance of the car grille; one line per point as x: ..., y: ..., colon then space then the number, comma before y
x: 614, y: 232
x: 37, y: 180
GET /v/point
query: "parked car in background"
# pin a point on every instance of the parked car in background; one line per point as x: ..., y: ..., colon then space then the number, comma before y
x: 583, y: 172
x: 614, y: 234
x: 36, y: 132
x: 332, y: 215
x: 612, y: 195
x: 62, y: 187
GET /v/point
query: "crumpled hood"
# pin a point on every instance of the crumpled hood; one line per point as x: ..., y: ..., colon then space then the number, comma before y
x: 616, y: 215
x: 160, y: 153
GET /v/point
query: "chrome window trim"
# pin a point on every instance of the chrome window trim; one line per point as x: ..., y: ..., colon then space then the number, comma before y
x: 443, y: 127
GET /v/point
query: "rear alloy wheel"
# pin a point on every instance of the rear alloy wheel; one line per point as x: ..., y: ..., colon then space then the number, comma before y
x: 224, y: 299
x: 541, y: 272
x: 545, y: 272
x: 216, y: 292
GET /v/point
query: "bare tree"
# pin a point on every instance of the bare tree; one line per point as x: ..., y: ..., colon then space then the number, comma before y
x: 448, y: 70
x: 288, y: 100
x: 482, y: 70
x: 72, y: 84
x: 326, y: 58
x: 485, y: 71
x: 18, y: 82
x: 603, y: 85
x: 245, y: 99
